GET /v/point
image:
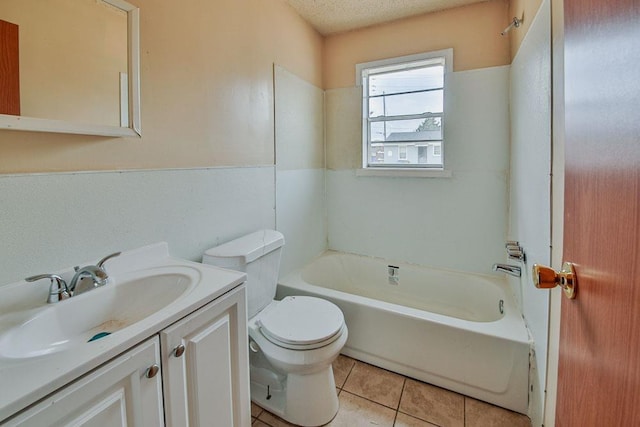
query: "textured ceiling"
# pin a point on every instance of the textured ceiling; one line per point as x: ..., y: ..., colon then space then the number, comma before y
x: 334, y: 16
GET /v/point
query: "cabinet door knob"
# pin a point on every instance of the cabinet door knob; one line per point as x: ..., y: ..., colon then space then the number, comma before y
x: 179, y: 350
x: 152, y: 371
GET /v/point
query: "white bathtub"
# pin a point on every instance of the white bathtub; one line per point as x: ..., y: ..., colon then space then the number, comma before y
x: 442, y: 327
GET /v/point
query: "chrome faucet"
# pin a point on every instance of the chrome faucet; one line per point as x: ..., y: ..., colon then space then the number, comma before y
x: 512, y: 270
x: 96, y: 273
x: 58, y: 289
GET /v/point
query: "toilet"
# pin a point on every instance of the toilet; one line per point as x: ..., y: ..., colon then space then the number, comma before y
x: 292, y: 342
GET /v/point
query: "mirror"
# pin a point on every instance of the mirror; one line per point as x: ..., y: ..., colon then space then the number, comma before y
x: 73, y: 67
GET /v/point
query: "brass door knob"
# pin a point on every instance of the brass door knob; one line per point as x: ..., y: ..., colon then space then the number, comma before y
x: 547, y: 278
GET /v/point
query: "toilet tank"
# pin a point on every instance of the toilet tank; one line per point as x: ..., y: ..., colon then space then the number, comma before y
x: 258, y: 255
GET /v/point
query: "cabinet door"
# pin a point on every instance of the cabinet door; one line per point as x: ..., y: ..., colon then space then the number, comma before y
x: 206, y: 382
x: 116, y: 394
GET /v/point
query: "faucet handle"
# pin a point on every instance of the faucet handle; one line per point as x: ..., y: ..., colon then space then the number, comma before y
x: 58, y: 289
x: 107, y: 258
x: 515, y: 251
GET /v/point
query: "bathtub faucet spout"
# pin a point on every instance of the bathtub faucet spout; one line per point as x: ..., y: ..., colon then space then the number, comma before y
x: 513, y: 270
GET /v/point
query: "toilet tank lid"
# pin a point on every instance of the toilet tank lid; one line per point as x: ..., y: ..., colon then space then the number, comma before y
x: 245, y: 249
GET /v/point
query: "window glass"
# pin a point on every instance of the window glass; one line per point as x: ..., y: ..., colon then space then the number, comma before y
x: 411, y: 80
x: 403, y: 111
x: 414, y: 130
x: 406, y: 103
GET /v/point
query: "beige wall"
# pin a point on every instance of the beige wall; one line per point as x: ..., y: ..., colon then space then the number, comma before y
x: 525, y: 10
x: 472, y: 31
x: 207, y: 91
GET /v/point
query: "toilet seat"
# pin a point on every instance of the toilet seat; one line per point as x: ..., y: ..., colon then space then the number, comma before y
x: 302, y: 323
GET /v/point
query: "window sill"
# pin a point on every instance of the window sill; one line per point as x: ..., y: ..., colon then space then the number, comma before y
x: 404, y: 173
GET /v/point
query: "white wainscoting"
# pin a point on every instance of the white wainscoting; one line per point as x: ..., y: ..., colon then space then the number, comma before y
x: 57, y: 220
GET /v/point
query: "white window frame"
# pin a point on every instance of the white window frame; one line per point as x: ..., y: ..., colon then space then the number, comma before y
x: 400, y: 147
x: 399, y: 63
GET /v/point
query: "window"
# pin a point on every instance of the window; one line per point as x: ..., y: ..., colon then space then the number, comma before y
x: 402, y: 152
x: 403, y: 110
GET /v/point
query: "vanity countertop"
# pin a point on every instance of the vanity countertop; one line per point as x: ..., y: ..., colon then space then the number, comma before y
x: 28, y: 378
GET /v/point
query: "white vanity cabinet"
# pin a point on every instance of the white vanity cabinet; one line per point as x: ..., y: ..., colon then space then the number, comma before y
x: 119, y: 393
x: 205, y: 366
x: 194, y: 372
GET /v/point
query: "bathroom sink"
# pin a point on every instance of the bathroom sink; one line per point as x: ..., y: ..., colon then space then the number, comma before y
x: 92, y: 317
x: 44, y: 347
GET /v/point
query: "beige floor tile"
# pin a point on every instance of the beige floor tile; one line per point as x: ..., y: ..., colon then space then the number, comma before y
x: 255, y: 410
x: 433, y: 404
x: 375, y: 384
x: 481, y: 414
x: 358, y: 412
x: 420, y: 404
x: 404, y: 420
x: 273, y: 421
x: 341, y: 368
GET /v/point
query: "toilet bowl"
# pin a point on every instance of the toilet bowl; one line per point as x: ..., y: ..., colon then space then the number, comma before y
x: 292, y: 342
x: 300, y: 349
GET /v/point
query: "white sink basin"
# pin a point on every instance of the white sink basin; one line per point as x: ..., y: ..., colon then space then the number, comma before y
x: 98, y: 313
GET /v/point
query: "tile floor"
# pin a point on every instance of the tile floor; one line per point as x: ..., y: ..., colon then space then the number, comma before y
x: 370, y: 396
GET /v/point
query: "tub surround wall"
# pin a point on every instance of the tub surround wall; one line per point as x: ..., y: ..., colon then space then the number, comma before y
x: 530, y: 183
x: 301, y: 210
x: 52, y: 221
x: 457, y: 222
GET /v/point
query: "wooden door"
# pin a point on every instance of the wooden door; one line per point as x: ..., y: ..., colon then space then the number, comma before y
x: 9, y: 69
x: 599, y: 365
